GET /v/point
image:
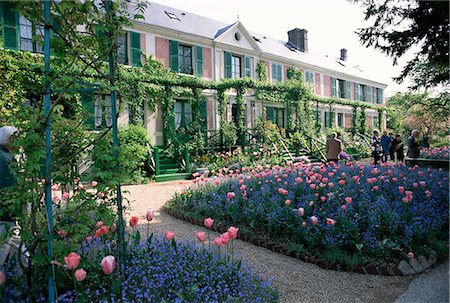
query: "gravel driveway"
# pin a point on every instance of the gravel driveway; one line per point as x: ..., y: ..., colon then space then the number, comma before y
x: 297, y: 281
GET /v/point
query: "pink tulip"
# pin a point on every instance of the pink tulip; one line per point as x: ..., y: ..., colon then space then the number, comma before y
x: 341, y: 182
x: 405, y: 199
x: 231, y: 195
x: 311, y: 203
x: 225, y: 238
x: 2, y: 277
x: 344, y: 207
x: 331, y: 221
x: 415, y: 185
x: 201, y: 236
x: 232, y: 232
x: 65, y: 195
x: 287, y: 202
x: 323, y: 199
x: 410, y: 255
x: 149, y: 215
x: 218, y: 241
x: 80, y: 274
x: 422, y: 183
x: 428, y: 193
x: 401, y: 189
x: 348, y: 200
x: 72, y: 260
x: 208, y: 222
x: 408, y: 193
x: 99, y: 224
x: 108, y: 264
x: 169, y: 235
x: 94, y: 183
x: 62, y: 233
x: 89, y: 239
x: 314, y: 220
x: 375, y: 187
x: 134, y: 221
x: 56, y: 199
x: 331, y: 185
x: 301, y: 211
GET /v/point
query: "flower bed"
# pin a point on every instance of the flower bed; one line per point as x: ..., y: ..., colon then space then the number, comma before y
x: 157, y: 271
x: 351, y: 215
x: 439, y: 153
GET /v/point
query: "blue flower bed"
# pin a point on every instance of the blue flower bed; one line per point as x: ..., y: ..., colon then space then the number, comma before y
x: 352, y: 214
x: 162, y: 271
x: 439, y: 153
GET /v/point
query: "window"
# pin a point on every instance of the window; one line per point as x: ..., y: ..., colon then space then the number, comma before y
x: 183, y: 113
x: 309, y: 77
x: 329, y: 119
x: 340, y: 119
x: 122, y: 49
x: 135, y: 49
x: 172, y: 16
x: 25, y: 34
x: 182, y: 58
x: 378, y: 95
x: 277, y: 72
x: 375, y: 122
x: 185, y: 59
x: 340, y: 88
x: 235, y: 67
x: 276, y: 115
x: 102, y: 111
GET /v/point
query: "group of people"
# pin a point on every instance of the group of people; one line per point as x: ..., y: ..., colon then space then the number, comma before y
x: 383, y: 147
x: 388, y: 145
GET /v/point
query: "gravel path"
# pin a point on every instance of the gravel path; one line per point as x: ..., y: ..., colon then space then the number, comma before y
x: 297, y: 281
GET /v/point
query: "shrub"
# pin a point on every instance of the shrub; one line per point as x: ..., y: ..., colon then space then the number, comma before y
x: 133, y: 154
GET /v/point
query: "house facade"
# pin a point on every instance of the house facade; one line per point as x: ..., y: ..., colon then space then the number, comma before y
x: 194, y: 45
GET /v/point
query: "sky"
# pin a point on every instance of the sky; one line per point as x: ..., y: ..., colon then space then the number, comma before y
x: 331, y: 25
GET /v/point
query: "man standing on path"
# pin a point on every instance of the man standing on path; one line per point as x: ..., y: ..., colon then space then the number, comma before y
x: 333, y: 148
x: 386, y: 142
x: 413, y: 145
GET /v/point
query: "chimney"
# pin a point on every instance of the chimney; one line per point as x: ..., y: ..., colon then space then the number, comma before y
x: 299, y: 39
x: 343, y: 54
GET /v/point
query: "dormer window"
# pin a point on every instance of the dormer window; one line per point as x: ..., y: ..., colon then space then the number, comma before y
x: 172, y: 16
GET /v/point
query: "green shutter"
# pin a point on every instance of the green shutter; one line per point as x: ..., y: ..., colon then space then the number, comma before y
x: 340, y: 124
x: 380, y: 95
x: 356, y: 90
x: 333, y: 87
x: 368, y: 94
x: 280, y: 72
x: 227, y: 62
x: 247, y: 67
x: 347, y: 90
x: 87, y: 102
x: 10, y: 29
x: 269, y: 114
x: 199, y: 61
x: 135, y: 48
x: 204, y: 116
x: 173, y: 51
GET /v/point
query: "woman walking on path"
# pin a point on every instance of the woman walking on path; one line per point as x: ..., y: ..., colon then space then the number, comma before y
x: 377, y: 149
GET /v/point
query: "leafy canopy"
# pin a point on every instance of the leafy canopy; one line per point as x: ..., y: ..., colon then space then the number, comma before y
x: 399, y: 26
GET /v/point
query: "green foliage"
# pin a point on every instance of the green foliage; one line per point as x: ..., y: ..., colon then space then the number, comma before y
x: 129, y: 168
x: 261, y: 71
x: 229, y: 133
x: 399, y: 26
x: 295, y: 74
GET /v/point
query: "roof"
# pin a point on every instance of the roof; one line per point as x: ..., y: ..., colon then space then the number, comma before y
x: 185, y: 22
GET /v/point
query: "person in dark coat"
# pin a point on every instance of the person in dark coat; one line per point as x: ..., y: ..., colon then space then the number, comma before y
x: 392, y: 148
x: 413, y: 145
x: 386, y: 143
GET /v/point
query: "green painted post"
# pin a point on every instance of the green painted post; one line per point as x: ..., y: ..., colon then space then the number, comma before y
x: 157, y: 164
x: 112, y: 69
x: 186, y: 158
x: 48, y: 159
